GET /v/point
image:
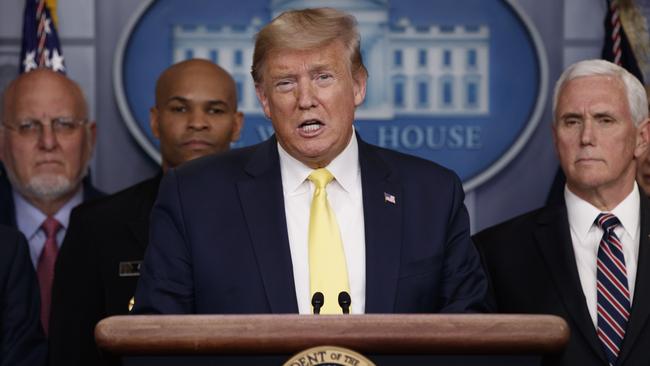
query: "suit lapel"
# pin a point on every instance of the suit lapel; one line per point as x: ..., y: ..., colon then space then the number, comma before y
x: 263, y: 206
x: 553, y: 238
x: 383, y: 231
x: 641, y: 300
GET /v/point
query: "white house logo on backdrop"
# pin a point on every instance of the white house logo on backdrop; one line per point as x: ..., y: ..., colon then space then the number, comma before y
x: 459, y: 82
x: 425, y: 70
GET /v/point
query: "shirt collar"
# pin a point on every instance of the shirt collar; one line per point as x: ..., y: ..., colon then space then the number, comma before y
x: 344, y: 168
x: 29, y: 218
x: 582, y: 214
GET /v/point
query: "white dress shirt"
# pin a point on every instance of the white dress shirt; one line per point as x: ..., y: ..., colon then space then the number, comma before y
x: 345, y: 198
x: 586, y: 235
x: 29, y: 220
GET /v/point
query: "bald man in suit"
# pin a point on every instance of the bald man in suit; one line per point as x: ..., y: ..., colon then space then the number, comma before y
x: 99, y: 265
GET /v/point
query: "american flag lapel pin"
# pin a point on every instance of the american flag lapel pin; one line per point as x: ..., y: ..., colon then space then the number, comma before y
x: 389, y: 198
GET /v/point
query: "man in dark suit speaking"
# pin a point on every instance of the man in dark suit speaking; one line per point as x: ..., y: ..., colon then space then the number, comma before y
x: 313, y: 210
x: 586, y: 259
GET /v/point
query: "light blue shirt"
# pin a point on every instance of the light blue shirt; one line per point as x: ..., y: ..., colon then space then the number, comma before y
x: 29, y: 220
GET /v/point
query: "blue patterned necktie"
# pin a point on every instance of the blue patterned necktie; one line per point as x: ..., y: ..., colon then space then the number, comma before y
x: 613, y: 293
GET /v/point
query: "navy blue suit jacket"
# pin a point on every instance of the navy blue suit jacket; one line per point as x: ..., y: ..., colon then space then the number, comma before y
x: 22, y: 342
x: 219, y: 240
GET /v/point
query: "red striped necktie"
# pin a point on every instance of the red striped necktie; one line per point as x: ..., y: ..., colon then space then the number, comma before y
x: 613, y: 300
x: 45, y: 268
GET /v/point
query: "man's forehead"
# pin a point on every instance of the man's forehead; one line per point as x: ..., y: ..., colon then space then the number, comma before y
x: 45, y: 92
x: 584, y: 83
x: 46, y: 79
x: 328, y: 54
x: 47, y: 103
x: 599, y: 89
x: 201, y: 86
x: 196, y: 94
x: 194, y: 99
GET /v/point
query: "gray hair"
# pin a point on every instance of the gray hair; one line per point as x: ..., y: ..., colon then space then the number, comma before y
x: 637, y: 99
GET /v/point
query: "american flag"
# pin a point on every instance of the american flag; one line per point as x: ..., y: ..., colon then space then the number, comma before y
x: 41, y: 47
x: 616, y: 47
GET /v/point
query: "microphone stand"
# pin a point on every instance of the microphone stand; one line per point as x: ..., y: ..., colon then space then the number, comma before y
x: 345, y: 301
x: 317, y: 301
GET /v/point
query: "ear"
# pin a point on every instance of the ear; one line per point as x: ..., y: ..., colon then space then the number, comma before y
x: 263, y: 98
x: 360, y: 80
x: 236, y: 128
x: 90, y: 136
x: 92, y: 126
x: 153, y: 122
x: 642, y: 139
x: 554, y: 134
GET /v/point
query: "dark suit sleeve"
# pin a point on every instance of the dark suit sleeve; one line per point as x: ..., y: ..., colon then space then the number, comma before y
x: 464, y: 284
x: 165, y: 285
x: 480, y: 242
x: 21, y: 337
x: 77, y: 297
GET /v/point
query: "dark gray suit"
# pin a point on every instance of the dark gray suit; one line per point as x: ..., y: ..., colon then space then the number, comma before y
x: 532, y: 269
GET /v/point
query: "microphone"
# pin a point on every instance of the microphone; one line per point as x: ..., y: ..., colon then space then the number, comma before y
x: 345, y: 301
x: 317, y: 301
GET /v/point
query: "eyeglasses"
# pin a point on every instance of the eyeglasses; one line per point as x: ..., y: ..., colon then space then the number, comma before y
x: 33, y: 128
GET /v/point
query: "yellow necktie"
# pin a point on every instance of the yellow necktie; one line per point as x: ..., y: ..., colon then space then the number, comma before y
x: 327, y: 269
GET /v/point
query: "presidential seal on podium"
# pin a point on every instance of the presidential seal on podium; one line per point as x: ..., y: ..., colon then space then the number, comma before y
x: 328, y: 356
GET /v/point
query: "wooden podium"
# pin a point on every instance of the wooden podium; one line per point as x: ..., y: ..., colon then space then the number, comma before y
x: 385, y: 339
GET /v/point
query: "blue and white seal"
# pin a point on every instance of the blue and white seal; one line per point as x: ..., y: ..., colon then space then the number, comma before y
x: 459, y: 82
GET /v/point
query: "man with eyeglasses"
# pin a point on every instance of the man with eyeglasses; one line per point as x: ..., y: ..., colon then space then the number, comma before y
x: 46, y: 142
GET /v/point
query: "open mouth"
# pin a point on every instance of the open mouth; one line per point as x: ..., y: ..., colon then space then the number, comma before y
x: 310, y: 126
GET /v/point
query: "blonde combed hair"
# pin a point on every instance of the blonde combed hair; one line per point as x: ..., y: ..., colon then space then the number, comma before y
x: 308, y: 29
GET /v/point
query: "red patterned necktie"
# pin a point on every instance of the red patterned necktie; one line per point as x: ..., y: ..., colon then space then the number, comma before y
x: 613, y: 299
x: 45, y: 268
